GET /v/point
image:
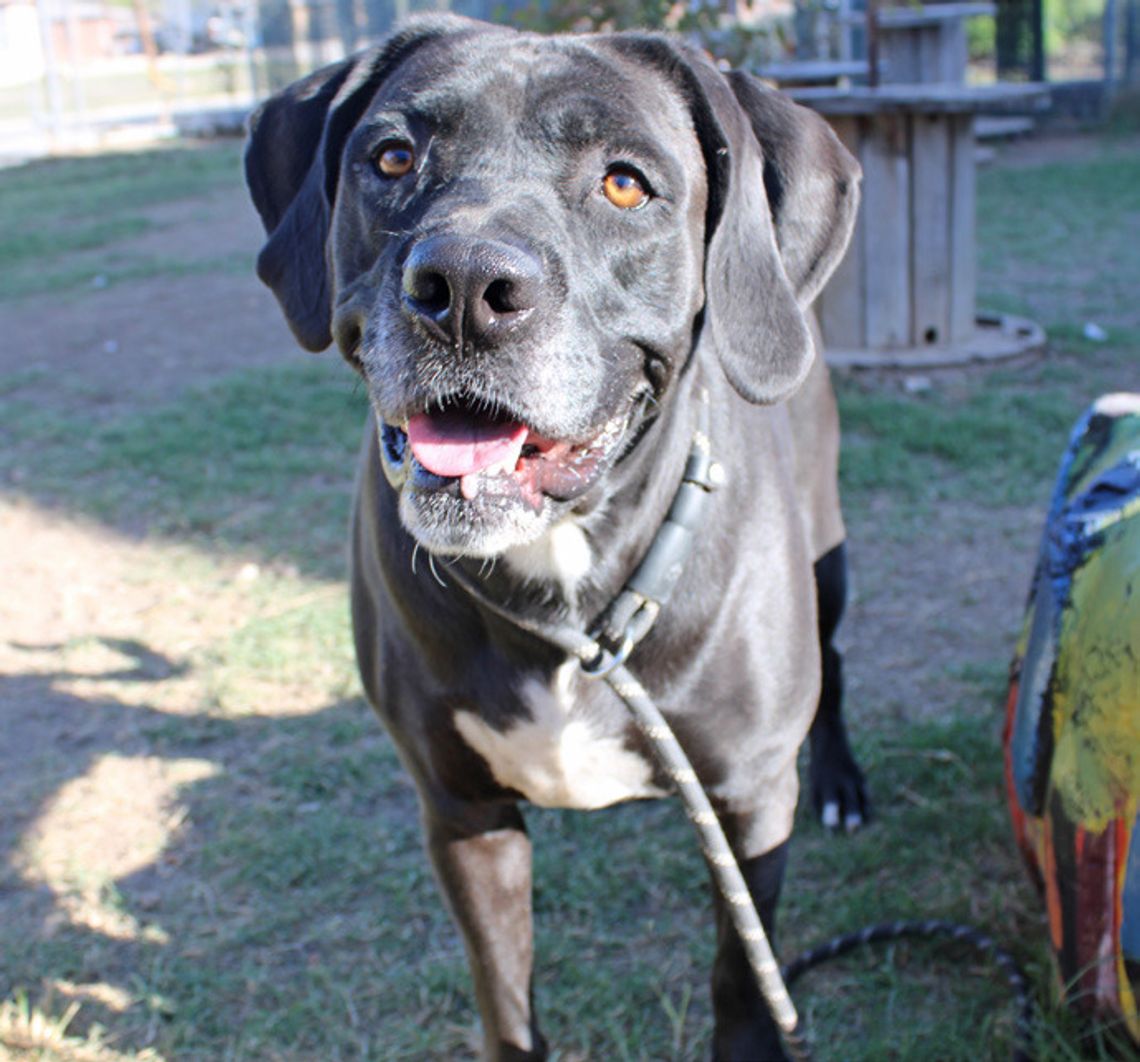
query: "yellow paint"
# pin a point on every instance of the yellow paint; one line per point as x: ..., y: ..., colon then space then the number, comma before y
x: 1096, y: 762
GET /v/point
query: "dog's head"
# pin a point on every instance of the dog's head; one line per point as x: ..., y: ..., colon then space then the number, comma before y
x: 520, y: 240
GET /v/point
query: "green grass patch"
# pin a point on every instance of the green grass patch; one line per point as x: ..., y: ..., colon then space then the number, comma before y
x: 114, y: 268
x: 994, y: 444
x: 261, y: 458
x: 103, y: 184
x: 1058, y: 241
x: 1075, y: 206
x: 51, y: 210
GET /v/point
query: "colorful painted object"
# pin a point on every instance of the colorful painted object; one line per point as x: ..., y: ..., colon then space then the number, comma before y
x: 1072, y: 736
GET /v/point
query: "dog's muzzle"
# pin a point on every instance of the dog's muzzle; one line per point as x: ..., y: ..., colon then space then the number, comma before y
x: 462, y: 451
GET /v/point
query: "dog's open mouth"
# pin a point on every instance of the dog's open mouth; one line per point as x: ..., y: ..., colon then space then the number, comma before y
x: 465, y: 450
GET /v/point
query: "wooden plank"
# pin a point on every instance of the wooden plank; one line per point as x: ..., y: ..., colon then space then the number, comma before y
x: 954, y: 54
x: 902, y: 99
x: 886, y: 245
x: 963, y: 249
x: 899, y: 58
x: 997, y: 128
x: 805, y: 71
x: 930, y: 230
x: 928, y: 58
x: 931, y: 14
x: 840, y: 304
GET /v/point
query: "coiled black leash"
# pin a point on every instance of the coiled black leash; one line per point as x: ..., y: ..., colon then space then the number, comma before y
x: 887, y: 932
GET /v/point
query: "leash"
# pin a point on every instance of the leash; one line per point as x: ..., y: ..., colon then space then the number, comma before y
x: 603, y: 655
x: 931, y: 929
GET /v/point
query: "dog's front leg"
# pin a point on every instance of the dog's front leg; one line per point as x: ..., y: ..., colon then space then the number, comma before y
x: 745, y: 1030
x: 482, y: 856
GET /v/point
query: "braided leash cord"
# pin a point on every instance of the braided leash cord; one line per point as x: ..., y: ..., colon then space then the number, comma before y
x: 695, y: 801
x: 720, y: 858
x: 930, y: 929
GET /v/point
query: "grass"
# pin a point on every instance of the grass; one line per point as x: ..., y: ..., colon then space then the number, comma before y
x: 897, y: 443
x: 1053, y: 268
x: 52, y: 211
x: 252, y: 459
x: 1056, y: 242
x: 291, y: 914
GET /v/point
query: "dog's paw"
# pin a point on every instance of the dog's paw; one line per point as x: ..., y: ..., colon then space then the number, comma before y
x: 838, y: 789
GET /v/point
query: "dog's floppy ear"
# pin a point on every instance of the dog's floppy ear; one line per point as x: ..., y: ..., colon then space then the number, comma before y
x: 810, y: 179
x: 786, y: 192
x: 292, y: 166
x: 782, y: 193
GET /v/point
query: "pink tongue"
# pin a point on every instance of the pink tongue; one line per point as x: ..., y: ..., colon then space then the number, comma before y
x: 456, y: 444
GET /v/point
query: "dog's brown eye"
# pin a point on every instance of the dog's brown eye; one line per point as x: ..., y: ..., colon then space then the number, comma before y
x: 395, y: 159
x: 624, y: 188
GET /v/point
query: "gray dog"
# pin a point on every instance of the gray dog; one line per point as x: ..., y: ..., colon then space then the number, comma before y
x: 544, y: 256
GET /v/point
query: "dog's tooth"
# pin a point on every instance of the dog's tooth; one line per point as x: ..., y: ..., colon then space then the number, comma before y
x: 469, y: 485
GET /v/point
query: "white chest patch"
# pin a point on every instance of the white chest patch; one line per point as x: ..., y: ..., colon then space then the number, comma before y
x: 555, y: 760
x: 562, y: 555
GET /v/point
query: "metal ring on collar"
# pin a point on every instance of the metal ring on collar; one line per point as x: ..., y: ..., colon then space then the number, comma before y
x: 604, y: 662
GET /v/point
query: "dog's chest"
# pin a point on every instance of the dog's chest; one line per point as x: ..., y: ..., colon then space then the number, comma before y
x: 559, y: 757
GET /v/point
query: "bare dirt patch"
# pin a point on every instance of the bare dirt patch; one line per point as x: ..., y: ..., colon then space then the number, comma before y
x: 922, y: 613
x: 105, y: 349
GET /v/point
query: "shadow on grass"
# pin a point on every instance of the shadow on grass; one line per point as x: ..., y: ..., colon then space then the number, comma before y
x: 294, y: 873
x: 290, y: 912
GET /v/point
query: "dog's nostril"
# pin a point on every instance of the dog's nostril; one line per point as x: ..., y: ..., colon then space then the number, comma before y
x: 502, y: 297
x: 429, y: 289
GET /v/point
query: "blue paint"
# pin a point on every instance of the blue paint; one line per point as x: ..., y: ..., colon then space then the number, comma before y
x: 1130, y: 898
x: 1027, y: 758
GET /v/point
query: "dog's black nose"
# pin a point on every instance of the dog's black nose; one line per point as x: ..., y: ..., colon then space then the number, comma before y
x: 471, y: 290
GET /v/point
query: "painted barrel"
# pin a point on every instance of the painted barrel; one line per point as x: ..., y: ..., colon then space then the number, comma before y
x: 1072, y: 734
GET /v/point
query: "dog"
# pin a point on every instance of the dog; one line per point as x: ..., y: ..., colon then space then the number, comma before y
x: 543, y: 255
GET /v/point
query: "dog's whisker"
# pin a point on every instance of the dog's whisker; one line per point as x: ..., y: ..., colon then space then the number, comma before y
x: 415, y: 550
x: 431, y: 565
